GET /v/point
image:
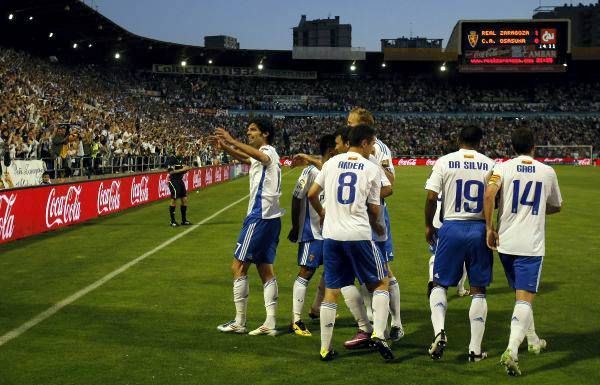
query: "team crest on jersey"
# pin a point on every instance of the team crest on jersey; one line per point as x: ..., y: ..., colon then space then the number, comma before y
x: 385, y: 163
x: 302, y: 183
x: 311, y: 257
x: 473, y: 38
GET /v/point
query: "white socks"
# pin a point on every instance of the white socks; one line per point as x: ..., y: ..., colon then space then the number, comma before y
x: 431, y: 268
x: 477, y: 317
x: 327, y: 319
x: 240, y: 299
x: 532, y: 337
x: 271, y: 295
x: 367, y: 297
x: 381, y: 309
x: 395, y: 302
x: 299, y: 293
x: 438, y: 304
x: 519, y: 324
x: 355, y: 303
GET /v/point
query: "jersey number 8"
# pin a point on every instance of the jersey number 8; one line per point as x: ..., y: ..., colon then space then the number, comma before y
x: 347, y: 182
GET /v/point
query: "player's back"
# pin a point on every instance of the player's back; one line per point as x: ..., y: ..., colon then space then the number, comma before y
x: 350, y: 182
x: 309, y: 221
x: 460, y: 178
x: 383, y: 154
x: 526, y: 187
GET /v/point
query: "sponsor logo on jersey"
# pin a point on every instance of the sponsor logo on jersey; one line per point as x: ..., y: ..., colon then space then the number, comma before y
x: 64, y: 209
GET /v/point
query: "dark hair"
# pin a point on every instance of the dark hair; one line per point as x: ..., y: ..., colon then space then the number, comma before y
x: 359, y: 133
x: 265, y: 126
x: 470, y: 135
x: 343, y: 133
x: 326, y: 143
x: 46, y: 173
x: 523, y: 140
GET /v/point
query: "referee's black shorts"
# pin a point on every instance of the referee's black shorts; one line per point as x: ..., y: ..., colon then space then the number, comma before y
x: 177, y: 189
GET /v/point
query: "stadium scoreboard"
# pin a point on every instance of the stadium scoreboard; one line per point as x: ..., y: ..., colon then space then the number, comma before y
x: 514, y: 46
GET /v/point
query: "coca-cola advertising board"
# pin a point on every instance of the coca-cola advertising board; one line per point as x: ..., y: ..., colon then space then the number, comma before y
x: 33, y: 210
x: 431, y: 161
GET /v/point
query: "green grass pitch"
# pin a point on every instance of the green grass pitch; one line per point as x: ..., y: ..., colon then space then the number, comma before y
x: 156, y: 322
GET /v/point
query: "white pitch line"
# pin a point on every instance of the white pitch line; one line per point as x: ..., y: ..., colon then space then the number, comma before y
x: 74, y: 297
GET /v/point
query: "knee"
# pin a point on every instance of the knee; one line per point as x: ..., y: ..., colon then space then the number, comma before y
x: 306, y: 273
x: 477, y: 290
x: 237, y: 269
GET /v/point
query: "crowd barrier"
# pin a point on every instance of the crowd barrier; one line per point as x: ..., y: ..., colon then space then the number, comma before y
x: 32, y: 210
x: 431, y: 161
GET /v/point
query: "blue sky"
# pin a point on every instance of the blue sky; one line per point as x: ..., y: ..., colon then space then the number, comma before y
x: 267, y: 23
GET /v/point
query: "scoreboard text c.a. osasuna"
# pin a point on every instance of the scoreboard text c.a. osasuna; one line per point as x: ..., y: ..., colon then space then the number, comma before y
x: 514, y: 46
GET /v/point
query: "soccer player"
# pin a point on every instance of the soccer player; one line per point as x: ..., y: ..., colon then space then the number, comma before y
x: 306, y: 229
x: 352, y: 187
x: 460, y: 178
x: 383, y: 157
x: 257, y: 242
x: 528, y: 192
x: 177, y: 170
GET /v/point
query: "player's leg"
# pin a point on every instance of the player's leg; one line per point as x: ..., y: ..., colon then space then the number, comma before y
x: 535, y: 344
x: 173, y: 203
x: 367, y: 299
x: 264, y: 247
x: 183, y: 208
x: 354, y: 301
x: 319, y: 295
x: 396, y: 330
x: 369, y: 267
x: 479, y: 266
x: 430, y: 281
x: 526, y: 273
x: 338, y: 273
x: 305, y: 254
x: 447, y: 270
x: 241, y: 289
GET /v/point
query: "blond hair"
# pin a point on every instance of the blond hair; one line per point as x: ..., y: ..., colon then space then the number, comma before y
x: 363, y: 115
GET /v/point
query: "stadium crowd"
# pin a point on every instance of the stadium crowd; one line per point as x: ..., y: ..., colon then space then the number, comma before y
x: 95, y: 117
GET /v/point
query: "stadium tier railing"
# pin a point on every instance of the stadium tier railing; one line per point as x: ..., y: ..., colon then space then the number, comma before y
x: 29, y: 211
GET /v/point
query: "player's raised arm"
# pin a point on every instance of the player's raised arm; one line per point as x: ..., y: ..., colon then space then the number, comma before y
x: 489, y: 203
x: 220, y: 144
x: 242, y: 147
x: 304, y: 158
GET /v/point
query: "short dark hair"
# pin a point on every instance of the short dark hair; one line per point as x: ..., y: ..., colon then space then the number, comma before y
x: 470, y: 135
x: 264, y: 125
x: 359, y: 133
x: 343, y: 133
x: 326, y: 143
x: 523, y: 140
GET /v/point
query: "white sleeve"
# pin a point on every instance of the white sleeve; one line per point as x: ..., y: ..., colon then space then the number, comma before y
x: 270, y: 153
x: 374, y: 190
x: 497, y: 175
x: 554, y: 199
x: 383, y: 178
x: 434, y: 183
x: 320, y: 179
x: 302, y: 185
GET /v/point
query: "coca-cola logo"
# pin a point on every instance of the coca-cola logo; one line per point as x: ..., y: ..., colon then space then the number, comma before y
x: 196, y: 179
x: 407, y: 162
x: 226, y: 173
x: 584, y: 162
x: 186, y: 181
x: 109, y: 199
x: 553, y: 160
x: 139, y: 190
x: 208, y: 177
x: 499, y: 160
x: 287, y: 162
x: 430, y: 162
x: 218, y: 175
x: 63, y: 209
x: 163, y: 186
x: 7, y: 220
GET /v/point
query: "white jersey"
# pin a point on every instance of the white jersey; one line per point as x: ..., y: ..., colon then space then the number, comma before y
x: 526, y: 186
x: 384, y: 183
x: 383, y: 155
x: 309, y: 224
x: 350, y: 182
x: 265, y: 186
x: 460, y: 178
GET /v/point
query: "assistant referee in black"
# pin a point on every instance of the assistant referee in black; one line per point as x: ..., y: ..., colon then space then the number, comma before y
x: 177, y: 169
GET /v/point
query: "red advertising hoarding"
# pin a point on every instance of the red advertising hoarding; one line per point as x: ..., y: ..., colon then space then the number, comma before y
x: 33, y: 210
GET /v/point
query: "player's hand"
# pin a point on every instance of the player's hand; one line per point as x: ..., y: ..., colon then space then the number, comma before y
x: 224, y: 135
x: 430, y: 235
x: 299, y: 160
x: 379, y: 229
x: 492, y: 239
x: 293, y: 235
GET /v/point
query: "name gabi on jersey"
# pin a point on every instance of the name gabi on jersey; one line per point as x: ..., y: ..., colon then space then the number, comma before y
x: 350, y: 165
x: 526, y: 169
x: 467, y: 165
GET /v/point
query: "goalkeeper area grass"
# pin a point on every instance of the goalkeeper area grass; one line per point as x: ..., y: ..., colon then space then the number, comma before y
x: 155, y: 321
